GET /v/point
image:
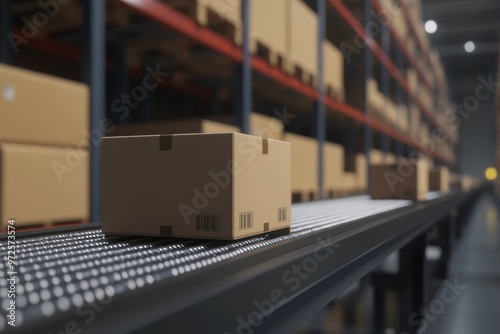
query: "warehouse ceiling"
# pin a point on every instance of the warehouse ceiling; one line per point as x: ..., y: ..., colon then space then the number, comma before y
x: 460, y: 21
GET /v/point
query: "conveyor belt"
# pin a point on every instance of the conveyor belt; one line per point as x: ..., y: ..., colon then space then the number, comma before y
x: 65, y: 271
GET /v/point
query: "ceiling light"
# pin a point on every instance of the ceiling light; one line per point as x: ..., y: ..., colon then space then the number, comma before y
x: 431, y: 26
x: 469, y: 46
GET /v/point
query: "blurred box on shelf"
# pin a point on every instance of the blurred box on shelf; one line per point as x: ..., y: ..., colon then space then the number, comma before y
x: 374, y: 98
x: 403, y: 120
x: 463, y: 182
x: 304, y: 167
x: 424, y: 133
x: 188, y: 125
x: 333, y: 71
x: 357, y: 163
x: 391, y: 112
x: 265, y: 126
x: 391, y: 158
x: 222, y: 16
x: 411, y: 45
x: 414, y: 121
x: 376, y: 156
x: 403, y: 180
x: 303, y: 49
x: 260, y: 125
x: 411, y: 76
x: 269, y: 30
x: 333, y: 169
x: 41, y: 185
x: 349, y: 184
x: 439, y: 179
x: 42, y: 109
x: 414, y: 8
x: 215, y: 186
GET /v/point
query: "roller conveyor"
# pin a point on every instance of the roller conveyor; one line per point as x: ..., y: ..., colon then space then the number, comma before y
x: 146, y: 284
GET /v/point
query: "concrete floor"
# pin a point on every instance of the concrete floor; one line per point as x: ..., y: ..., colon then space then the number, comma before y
x: 471, y: 306
x: 476, y: 265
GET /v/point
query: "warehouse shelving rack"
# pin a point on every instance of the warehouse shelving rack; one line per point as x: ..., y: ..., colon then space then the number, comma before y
x: 95, y: 64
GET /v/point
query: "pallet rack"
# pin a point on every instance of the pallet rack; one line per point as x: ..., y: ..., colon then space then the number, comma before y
x: 94, y: 65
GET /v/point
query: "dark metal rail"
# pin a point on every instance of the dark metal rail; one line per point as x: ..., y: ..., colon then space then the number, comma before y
x: 78, y: 277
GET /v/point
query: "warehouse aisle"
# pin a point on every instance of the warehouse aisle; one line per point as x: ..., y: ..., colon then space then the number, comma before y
x: 476, y: 266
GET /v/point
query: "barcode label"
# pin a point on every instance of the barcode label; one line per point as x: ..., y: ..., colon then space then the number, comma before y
x: 246, y: 220
x: 209, y: 223
x: 281, y: 214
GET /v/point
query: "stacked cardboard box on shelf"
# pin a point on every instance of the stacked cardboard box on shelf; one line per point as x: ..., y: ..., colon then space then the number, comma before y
x: 391, y: 113
x: 269, y: 29
x: 333, y: 169
x: 463, y: 182
x: 357, y: 164
x: 374, y: 98
x: 224, y: 17
x: 43, y: 148
x: 333, y: 71
x: 376, y: 156
x: 190, y: 125
x: 303, y: 48
x: 403, y: 120
x: 304, y: 167
x: 260, y: 125
x: 439, y: 179
x: 391, y: 158
x: 392, y: 10
x: 411, y: 77
x: 424, y: 133
x: 414, y: 121
x: 284, y: 32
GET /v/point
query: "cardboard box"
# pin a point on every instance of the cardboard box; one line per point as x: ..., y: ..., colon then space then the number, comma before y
x: 269, y: 28
x: 348, y: 183
x: 188, y: 125
x: 41, y: 185
x: 462, y: 182
x: 41, y: 109
x: 399, y: 181
x: 304, y: 167
x: 223, y: 16
x: 374, y: 97
x: 260, y: 125
x: 333, y: 155
x: 357, y: 164
x: 412, y: 79
x: 265, y: 126
x: 403, y: 120
x: 414, y: 121
x: 214, y: 186
x: 439, y: 179
x: 391, y: 158
x: 333, y: 70
x: 376, y: 157
x: 302, y: 39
